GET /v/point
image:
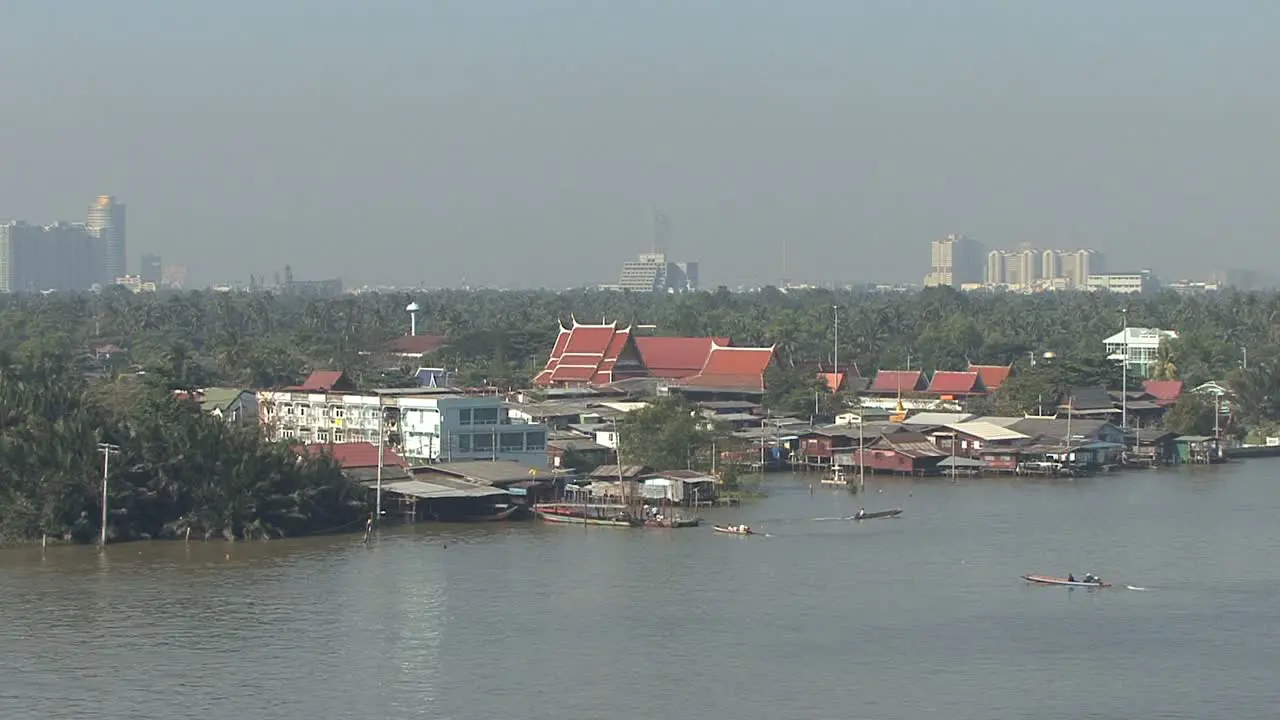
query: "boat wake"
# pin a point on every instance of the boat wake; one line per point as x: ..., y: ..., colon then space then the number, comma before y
x: 1135, y: 588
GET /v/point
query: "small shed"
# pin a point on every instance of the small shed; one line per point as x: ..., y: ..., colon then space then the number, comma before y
x: 679, y: 487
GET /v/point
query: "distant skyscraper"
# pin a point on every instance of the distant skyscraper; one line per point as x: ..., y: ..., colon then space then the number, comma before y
x: 652, y: 272
x: 956, y: 261
x: 107, y: 223
x: 152, y: 270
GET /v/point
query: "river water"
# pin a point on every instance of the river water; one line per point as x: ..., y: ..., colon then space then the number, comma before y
x: 919, y: 617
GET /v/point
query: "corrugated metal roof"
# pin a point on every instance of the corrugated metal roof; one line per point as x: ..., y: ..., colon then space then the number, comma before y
x: 987, y: 431
x: 432, y: 490
x: 938, y: 418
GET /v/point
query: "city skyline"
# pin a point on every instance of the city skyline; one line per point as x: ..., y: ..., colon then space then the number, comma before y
x: 521, y: 146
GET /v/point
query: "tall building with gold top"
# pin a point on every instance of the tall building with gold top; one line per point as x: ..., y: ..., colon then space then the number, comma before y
x: 107, y: 224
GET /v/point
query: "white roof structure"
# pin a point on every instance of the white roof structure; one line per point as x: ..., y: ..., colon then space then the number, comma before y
x: 938, y: 418
x: 986, y: 431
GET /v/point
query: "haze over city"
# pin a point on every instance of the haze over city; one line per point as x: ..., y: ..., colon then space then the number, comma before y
x: 528, y: 144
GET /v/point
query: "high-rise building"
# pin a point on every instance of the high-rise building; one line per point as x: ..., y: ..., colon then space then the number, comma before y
x: 1049, y: 264
x: 995, y: 267
x: 152, y: 270
x: 653, y: 272
x: 107, y: 223
x: 36, y: 258
x: 956, y: 261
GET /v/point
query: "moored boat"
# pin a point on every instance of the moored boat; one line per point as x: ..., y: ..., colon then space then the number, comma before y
x: 733, y: 529
x: 571, y: 514
x: 835, y: 476
x: 1066, y: 582
x: 860, y: 515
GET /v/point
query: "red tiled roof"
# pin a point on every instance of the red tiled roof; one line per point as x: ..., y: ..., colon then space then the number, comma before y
x: 676, y: 357
x: 355, y: 455
x: 325, y: 381
x: 415, y: 344
x: 833, y: 381
x: 894, y: 381
x: 949, y: 382
x: 591, y: 354
x: 993, y: 376
x: 1166, y: 392
x: 733, y: 368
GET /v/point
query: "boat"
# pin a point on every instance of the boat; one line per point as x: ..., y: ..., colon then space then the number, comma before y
x: 575, y: 514
x: 676, y: 522
x: 835, y: 477
x: 873, y: 515
x: 499, y: 516
x: 1066, y: 582
x: 733, y: 530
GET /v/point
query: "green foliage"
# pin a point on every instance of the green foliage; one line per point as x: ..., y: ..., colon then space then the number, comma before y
x: 177, y: 467
x: 669, y: 434
x: 1040, y: 388
x: 1192, y: 414
x: 794, y: 391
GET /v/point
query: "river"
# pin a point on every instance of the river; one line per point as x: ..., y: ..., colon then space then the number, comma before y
x: 919, y: 617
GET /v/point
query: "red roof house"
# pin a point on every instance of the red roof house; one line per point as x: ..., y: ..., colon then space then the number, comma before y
x: 358, y: 455
x: 1166, y: 392
x: 896, y: 382
x: 676, y: 357
x: 732, y: 369
x: 950, y: 383
x: 324, y: 381
x: 993, y: 376
x: 591, y: 355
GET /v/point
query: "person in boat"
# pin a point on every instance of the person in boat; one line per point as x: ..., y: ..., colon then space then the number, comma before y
x: 1071, y: 577
x: 861, y: 513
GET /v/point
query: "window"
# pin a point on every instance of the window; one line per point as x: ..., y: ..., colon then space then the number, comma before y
x: 325, y: 411
x: 535, y: 441
x: 339, y: 412
x: 511, y: 442
x: 464, y: 416
x: 286, y: 433
x: 464, y: 443
x: 322, y: 436
x: 288, y: 409
x: 481, y: 443
x: 485, y: 416
x: 338, y: 437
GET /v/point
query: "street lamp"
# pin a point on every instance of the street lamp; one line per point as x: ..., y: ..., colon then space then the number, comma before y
x: 107, y: 450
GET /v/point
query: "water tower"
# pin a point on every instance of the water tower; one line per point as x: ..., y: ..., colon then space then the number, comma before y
x: 412, y: 308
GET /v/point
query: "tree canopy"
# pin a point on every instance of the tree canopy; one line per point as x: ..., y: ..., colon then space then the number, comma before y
x: 174, y: 468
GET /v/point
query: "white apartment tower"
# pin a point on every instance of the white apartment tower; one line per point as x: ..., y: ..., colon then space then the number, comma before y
x: 956, y: 261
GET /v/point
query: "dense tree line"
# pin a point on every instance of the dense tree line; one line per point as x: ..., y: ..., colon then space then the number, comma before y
x: 260, y: 339
x: 174, y: 470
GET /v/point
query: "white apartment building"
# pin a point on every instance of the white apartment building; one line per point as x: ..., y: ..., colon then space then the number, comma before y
x: 1124, y: 283
x: 422, y: 425
x: 1140, y: 345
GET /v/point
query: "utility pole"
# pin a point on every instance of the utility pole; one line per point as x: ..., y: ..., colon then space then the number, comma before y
x: 1124, y: 373
x: 835, y: 354
x: 107, y: 449
x: 381, y: 450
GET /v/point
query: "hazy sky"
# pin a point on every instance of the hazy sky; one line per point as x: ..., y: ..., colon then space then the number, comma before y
x: 527, y: 142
